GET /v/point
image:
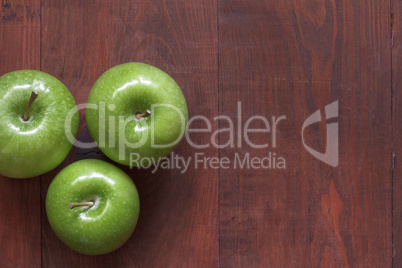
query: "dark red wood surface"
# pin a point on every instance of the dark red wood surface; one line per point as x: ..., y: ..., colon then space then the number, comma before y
x: 178, y: 222
x: 20, y: 207
x: 267, y: 58
x: 396, y: 58
x: 281, y: 59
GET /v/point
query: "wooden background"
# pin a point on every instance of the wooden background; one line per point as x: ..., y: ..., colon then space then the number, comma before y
x: 278, y: 58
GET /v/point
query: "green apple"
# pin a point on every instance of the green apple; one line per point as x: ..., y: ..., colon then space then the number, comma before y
x: 33, y: 109
x: 136, y: 112
x: 92, y: 206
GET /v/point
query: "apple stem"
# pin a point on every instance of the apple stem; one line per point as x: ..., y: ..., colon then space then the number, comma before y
x: 73, y: 205
x: 143, y: 115
x: 34, y: 95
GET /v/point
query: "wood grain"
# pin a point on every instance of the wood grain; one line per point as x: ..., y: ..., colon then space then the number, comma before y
x: 179, y: 212
x: 20, y: 236
x: 396, y: 45
x: 292, y: 58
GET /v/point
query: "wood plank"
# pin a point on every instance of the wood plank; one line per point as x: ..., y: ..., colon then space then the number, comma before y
x: 19, y: 199
x: 81, y: 40
x: 293, y: 58
x: 396, y: 44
